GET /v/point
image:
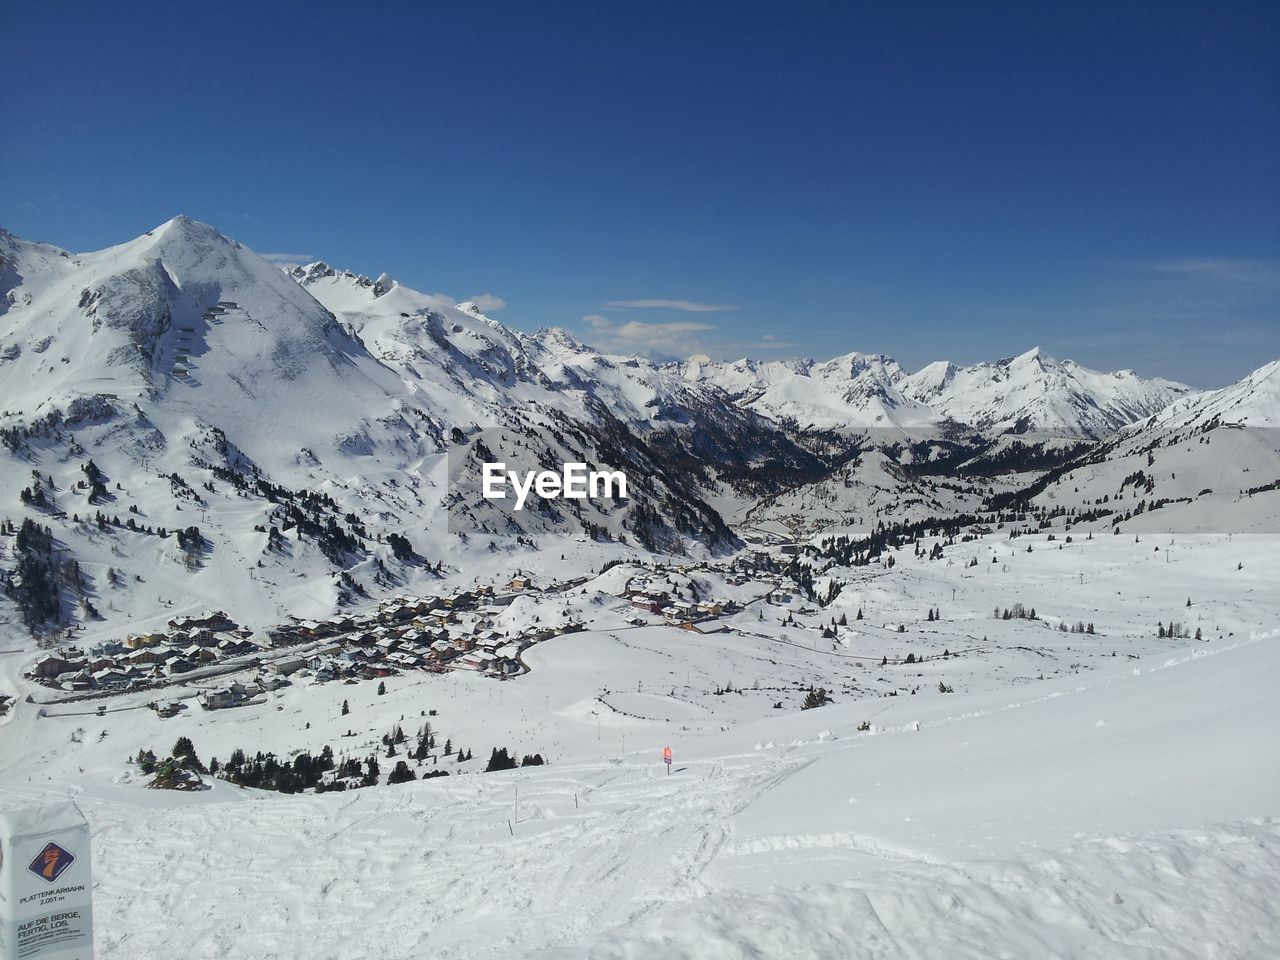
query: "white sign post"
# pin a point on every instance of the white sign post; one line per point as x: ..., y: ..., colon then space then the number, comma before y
x: 46, y: 884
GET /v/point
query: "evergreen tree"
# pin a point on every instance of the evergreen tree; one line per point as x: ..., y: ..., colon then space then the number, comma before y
x: 500, y: 760
x: 401, y: 773
x: 815, y: 698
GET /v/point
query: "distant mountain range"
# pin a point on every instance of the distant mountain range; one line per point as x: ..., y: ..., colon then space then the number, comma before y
x: 300, y: 418
x: 1030, y: 393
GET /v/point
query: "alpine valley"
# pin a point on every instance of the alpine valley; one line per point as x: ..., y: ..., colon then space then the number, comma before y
x: 967, y: 661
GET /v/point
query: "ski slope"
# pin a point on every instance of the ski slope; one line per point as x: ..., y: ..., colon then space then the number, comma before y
x: 1128, y: 813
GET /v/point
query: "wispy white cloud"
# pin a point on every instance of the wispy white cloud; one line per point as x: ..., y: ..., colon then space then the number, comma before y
x: 634, y: 336
x: 688, y: 306
x: 289, y: 259
x: 487, y: 302
x: 1260, y: 273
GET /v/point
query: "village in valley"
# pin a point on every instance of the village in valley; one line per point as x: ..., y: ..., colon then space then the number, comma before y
x: 454, y: 631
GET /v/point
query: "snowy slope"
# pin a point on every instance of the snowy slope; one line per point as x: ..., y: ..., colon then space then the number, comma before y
x: 1208, y: 463
x: 1126, y: 812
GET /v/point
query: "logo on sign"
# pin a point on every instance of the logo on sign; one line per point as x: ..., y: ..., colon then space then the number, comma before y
x: 51, y: 862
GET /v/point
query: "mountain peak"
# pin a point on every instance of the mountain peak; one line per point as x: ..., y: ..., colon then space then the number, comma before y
x: 184, y: 226
x: 469, y: 307
x: 559, y: 337
x: 1035, y: 355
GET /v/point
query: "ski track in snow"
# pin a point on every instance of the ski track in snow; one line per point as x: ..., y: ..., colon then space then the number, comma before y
x: 616, y: 858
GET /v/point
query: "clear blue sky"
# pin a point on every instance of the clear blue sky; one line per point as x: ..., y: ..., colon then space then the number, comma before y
x: 957, y: 181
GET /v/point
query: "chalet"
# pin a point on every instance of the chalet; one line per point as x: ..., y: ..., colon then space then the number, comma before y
x: 459, y: 599
x: 107, y: 648
x: 679, y: 610
x: 387, y: 645
x: 489, y: 641
x: 475, y: 661
x: 180, y: 665
x: 146, y: 656
x: 325, y: 668
x: 79, y: 681
x: 397, y: 613
x: 110, y: 679
x: 198, y: 654
x: 463, y: 641
x: 229, y: 647
x: 319, y: 661
x: 284, y: 637
x: 504, y: 667
x: 136, y: 641
x: 211, y: 619
x: 520, y: 582
x: 443, y: 651
x: 328, y: 673
x: 692, y: 627
x: 406, y: 608
x: 218, y: 699
x: 650, y: 604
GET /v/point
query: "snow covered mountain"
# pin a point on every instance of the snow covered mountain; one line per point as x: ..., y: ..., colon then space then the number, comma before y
x: 1030, y: 393
x: 180, y: 382
x: 855, y: 391
x: 291, y: 422
x: 1207, y: 463
x: 1034, y: 393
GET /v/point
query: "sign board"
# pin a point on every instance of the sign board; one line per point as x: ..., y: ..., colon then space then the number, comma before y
x: 46, y: 884
x: 666, y: 756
